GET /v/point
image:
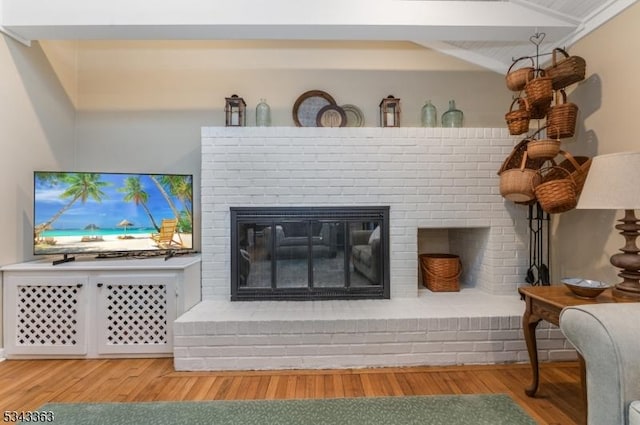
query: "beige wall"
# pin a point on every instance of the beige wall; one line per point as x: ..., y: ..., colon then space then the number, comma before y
x: 198, y: 75
x: 37, y: 132
x: 63, y: 56
x: 609, y: 110
x: 37, y: 122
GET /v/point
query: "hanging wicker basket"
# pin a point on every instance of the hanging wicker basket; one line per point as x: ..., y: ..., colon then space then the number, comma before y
x: 441, y: 272
x: 517, y: 78
x: 542, y: 148
x: 566, y: 71
x: 539, y: 90
x: 578, y: 168
x: 516, y: 174
x: 518, y: 120
x: 562, y: 117
x: 537, y: 112
x: 556, y: 192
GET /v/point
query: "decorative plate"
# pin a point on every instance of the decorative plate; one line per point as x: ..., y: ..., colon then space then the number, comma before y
x: 355, y: 117
x: 307, y: 106
x: 331, y: 116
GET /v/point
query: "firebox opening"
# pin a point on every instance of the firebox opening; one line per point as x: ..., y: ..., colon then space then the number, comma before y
x: 310, y: 253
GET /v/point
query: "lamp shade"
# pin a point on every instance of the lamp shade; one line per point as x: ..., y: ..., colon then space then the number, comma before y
x: 613, y: 182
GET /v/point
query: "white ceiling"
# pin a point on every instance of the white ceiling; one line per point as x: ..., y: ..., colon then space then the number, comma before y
x: 487, y: 33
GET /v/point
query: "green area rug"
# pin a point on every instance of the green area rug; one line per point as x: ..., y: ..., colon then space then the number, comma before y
x: 489, y: 409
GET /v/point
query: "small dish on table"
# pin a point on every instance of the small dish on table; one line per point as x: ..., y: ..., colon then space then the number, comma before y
x: 585, y: 288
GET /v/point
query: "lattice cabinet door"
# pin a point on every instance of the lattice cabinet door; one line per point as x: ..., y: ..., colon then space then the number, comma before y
x: 135, y: 314
x: 45, y: 315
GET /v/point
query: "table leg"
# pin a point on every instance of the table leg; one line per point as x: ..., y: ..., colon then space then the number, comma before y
x: 529, y: 325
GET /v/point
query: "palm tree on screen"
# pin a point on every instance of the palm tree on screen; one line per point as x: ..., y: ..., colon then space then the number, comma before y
x: 179, y: 187
x: 134, y: 192
x: 79, y: 187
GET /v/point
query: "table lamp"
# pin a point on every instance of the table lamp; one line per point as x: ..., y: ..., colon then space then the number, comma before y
x: 613, y: 183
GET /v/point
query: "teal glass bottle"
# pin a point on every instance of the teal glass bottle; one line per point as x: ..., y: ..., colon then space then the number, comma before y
x: 263, y: 114
x: 453, y: 117
x: 429, y: 116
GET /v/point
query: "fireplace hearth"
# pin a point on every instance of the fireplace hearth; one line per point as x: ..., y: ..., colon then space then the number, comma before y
x: 309, y: 253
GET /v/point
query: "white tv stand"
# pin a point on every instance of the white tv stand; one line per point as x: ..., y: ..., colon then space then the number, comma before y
x: 97, y: 308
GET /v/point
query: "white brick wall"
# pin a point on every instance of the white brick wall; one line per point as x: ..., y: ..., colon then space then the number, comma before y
x: 431, y: 178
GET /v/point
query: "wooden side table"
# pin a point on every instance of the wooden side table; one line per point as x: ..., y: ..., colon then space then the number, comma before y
x: 546, y: 303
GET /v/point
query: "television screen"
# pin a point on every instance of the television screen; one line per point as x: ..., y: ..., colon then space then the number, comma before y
x: 87, y: 213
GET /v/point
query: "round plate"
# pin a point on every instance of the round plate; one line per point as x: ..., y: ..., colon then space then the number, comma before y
x: 355, y: 117
x: 331, y: 116
x: 307, y: 106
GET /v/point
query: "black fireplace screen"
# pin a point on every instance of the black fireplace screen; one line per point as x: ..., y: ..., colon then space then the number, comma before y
x: 282, y: 253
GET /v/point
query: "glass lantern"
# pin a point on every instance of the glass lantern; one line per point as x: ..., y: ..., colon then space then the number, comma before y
x: 390, y: 112
x: 235, y: 111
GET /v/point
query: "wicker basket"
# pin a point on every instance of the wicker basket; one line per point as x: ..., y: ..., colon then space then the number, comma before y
x: 441, y: 272
x: 566, y: 71
x: 517, y: 78
x: 516, y: 174
x: 537, y: 112
x: 577, y: 166
x: 555, y: 192
x: 561, y: 119
x: 539, y: 90
x: 542, y: 148
x: 518, y: 120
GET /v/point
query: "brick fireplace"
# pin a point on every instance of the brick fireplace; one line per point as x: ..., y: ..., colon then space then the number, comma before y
x: 432, y: 179
x: 442, y: 192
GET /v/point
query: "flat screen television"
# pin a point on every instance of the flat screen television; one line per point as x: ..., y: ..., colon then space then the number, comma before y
x: 111, y: 213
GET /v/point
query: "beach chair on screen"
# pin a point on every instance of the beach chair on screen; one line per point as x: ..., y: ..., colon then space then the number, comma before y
x: 165, y: 238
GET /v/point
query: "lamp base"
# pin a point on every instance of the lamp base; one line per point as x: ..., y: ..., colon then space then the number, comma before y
x: 628, y: 260
x: 621, y: 292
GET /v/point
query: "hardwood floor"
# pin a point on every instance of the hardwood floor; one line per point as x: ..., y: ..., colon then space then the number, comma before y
x: 26, y: 385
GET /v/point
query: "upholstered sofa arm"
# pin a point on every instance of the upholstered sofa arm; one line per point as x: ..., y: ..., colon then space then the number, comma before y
x: 608, y: 338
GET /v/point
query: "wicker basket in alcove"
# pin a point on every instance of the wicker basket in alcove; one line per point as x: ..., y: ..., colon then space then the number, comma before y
x: 441, y: 272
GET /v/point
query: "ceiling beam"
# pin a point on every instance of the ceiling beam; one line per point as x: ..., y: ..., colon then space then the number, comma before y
x: 467, y: 55
x: 278, y: 19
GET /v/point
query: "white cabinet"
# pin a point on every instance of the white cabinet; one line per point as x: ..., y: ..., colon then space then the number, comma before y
x: 104, y: 308
x: 45, y: 314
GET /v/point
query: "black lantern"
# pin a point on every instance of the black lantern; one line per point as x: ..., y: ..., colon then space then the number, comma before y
x: 390, y: 112
x: 234, y: 111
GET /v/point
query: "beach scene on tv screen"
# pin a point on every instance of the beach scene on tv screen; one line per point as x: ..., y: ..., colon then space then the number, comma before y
x: 77, y: 213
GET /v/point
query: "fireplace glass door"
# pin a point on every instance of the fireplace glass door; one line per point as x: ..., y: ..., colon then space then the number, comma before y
x: 310, y: 253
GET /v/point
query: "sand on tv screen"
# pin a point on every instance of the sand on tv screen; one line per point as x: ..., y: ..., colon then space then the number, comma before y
x: 80, y: 212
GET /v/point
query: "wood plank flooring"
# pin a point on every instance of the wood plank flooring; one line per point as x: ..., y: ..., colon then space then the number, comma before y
x: 27, y: 384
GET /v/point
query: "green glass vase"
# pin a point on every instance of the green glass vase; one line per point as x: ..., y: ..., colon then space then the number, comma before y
x: 453, y: 117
